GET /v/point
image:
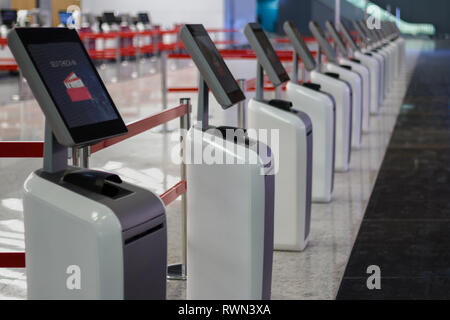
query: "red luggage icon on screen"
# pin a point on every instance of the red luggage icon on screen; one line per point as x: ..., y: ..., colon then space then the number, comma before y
x: 76, y: 89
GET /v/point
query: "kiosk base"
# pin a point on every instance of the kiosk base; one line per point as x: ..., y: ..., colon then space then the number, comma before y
x: 355, y: 82
x: 294, y: 174
x: 342, y: 94
x: 230, y: 239
x: 320, y: 107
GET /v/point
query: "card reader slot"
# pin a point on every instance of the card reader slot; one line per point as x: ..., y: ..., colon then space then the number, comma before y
x: 313, y: 86
x: 281, y: 104
x: 144, y: 234
x: 332, y: 74
x: 346, y: 66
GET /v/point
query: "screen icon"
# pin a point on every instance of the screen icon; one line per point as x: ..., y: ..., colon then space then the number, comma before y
x: 76, y: 89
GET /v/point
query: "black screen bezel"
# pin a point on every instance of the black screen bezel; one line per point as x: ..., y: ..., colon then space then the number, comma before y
x: 143, y: 14
x: 300, y: 40
x: 197, y: 30
x: 268, y: 50
x: 109, y: 17
x: 82, y: 134
x: 11, y: 22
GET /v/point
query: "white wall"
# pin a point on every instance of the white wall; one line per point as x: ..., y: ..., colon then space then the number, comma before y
x: 211, y: 13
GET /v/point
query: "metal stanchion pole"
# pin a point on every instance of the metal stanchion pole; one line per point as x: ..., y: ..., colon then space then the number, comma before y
x: 138, y: 55
x: 242, y: 116
x: 20, y: 84
x: 85, y: 154
x: 118, y: 57
x: 178, y: 271
x: 75, y: 156
x: 163, y: 70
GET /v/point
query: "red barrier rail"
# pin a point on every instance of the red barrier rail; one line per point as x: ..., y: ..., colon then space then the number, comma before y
x: 8, y: 64
x: 12, y: 259
x: 17, y: 259
x: 143, y: 125
x: 34, y: 149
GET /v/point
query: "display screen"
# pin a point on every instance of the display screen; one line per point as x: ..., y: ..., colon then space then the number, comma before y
x: 74, y: 86
x: 64, y: 17
x: 300, y: 41
x: 143, y: 17
x: 215, y: 60
x: 271, y: 54
x: 9, y: 17
x: 109, y: 17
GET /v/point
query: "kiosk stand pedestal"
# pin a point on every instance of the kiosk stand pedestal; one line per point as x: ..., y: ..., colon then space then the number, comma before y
x: 231, y: 191
x: 295, y: 147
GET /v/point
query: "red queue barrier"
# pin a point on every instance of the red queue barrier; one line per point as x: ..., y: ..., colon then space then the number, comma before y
x: 35, y: 149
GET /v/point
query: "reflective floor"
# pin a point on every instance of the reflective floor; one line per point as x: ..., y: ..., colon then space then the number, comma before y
x: 146, y: 160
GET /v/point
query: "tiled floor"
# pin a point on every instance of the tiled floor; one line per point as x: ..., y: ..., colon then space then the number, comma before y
x: 145, y: 160
x: 406, y: 229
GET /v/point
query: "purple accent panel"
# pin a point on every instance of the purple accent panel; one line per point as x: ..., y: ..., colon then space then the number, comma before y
x: 269, y: 205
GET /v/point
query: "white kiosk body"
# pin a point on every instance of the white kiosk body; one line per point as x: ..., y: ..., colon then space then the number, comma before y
x: 358, y: 67
x: 88, y: 234
x: 321, y: 108
x: 374, y: 66
x: 293, y: 178
x: 346, y: 73
x: 231, y: 198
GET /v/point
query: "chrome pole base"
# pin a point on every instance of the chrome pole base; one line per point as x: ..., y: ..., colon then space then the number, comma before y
x: 176, y: 272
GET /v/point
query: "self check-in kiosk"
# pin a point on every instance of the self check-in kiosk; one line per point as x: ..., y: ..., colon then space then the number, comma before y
x: 330, y: 83
x: 358, y: 67
x: 88, y: 234
x: 375, y: 67
x: 384, y: 47
x: 373, y: 47
x: 295, y: 143
x: 320, y: 107
x: 230, y: 198
x: 346, y: 73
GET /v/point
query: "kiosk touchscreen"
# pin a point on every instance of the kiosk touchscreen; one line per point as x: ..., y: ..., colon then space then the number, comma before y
x: 108, y: 233
x: 109, y: 18
x: 143, y: 18
x: 369, y: 89
x: 293, y: 178
x: 346, y: 73
x: 320, y: 106
x: 8, y: 17
x: 330, y: 83
x: 230, y: 231
x: 66, y: 84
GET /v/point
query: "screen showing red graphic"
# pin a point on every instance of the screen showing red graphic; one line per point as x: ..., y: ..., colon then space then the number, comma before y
x: 76, y: 89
